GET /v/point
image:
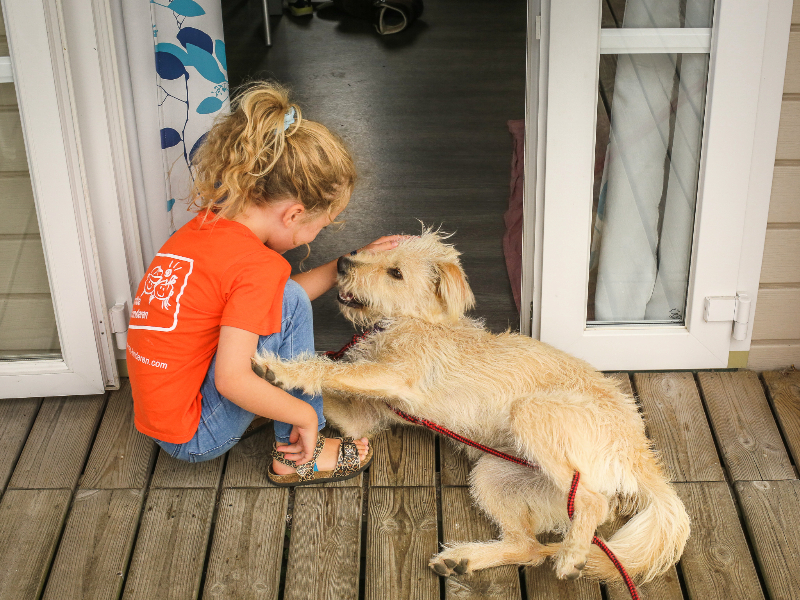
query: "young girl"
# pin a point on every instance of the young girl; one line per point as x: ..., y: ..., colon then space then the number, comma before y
x: 219, y: 290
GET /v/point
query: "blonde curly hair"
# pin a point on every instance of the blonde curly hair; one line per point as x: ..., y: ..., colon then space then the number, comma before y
x: 248, y: 158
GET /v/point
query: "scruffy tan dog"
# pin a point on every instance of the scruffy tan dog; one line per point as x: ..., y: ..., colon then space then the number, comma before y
x: 506, y: 391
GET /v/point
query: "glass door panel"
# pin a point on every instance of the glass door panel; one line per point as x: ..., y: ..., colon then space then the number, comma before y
x: 649, y: 128
x: 27, y: 319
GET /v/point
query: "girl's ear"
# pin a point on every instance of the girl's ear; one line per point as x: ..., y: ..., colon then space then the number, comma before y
x: 293, y: 214
x: 453, y: 289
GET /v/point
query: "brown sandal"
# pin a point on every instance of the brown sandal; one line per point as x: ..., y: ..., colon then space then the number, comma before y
x: 347, y: 465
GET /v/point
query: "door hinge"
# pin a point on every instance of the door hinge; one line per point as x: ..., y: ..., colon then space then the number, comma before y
x: 538, y: 27
x: 119, y: 323
x: 729, y: 308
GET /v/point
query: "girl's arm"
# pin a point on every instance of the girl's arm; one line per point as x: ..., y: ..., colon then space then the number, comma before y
x: 234, y: 379
x: 320, y: 279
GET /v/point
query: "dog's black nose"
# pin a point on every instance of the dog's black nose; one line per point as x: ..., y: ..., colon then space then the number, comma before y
x: 343, y: 264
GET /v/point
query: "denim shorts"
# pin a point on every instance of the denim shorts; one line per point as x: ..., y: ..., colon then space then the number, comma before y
x: 222, y: 422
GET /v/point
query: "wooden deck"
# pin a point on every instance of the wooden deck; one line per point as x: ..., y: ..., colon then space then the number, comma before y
x: 89, y: 509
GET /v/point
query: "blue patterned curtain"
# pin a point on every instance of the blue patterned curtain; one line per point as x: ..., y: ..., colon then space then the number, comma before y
x: 192, y: 89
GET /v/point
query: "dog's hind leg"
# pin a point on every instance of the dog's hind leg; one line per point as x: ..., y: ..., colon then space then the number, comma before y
x: 557, y: 432
x: 517, y: 500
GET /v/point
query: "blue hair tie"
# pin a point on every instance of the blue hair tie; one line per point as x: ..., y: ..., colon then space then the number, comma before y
x: 288, y: 119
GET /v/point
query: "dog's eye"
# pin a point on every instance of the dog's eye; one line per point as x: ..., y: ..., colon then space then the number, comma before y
x: 395, y: 273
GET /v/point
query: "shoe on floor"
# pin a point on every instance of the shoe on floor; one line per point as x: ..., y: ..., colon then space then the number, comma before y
x: 348, y: 465
x: 300, y: 8
x: 388, y: 16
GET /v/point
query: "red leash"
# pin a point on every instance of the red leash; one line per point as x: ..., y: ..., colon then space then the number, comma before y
x: 514, y: 459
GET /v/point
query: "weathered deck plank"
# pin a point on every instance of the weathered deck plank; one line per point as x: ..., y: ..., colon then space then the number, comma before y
x: 716, y: 562
x: 16, y: 419
x: 678, y: 427
x: 401, y: 536
x: 173, y: 473
x: 245, y: 560
x: 404, y: 456
x: 453, y: 463
x: 623, y: 381
x: 463, y: 522
x: 56, y: 449
x: 326, y: 540
x: 121, y: 457
x: 664, y: 587
x: 771, y: 515
x: 783, y: 388
x: 749, y: 440
x: 30, y: 523
x: 541, y: 584
x: 95, y: 547
x: 171, y: 545
x: 248, y: 461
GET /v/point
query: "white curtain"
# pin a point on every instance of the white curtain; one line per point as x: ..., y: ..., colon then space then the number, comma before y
x: 643, y: 229
x: 178, y: 83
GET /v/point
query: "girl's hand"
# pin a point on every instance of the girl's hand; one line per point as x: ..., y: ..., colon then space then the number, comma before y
x: 387, y: 242
x: 302, y: 441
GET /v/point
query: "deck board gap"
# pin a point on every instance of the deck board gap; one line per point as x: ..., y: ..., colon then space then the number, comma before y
x: 747, y: 538
x: 439, y: 520
x: 682, y: 580
x: 213, y: 528
x: 362, y: 553
x: 723, y: 464
x: 635, y: 392
x: 145, y: 493
x: 781, y: 431
x: 127, y: 568
x: 14, y: 462
x: 96, y: 430
x: 286, y: 537
x: 523, y: 584
x: 603, y: 592
x: 59, y: 537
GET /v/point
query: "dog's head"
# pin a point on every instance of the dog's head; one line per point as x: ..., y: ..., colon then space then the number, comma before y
x: 421, y: 278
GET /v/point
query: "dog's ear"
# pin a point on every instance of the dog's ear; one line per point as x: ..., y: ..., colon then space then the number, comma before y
x: 454, y: 290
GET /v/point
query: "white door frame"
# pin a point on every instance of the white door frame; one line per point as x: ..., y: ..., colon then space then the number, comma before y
x: 749, y: 46
x: 64, y: 69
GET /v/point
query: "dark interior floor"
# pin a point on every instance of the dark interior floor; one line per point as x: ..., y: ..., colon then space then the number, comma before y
x: 424, y: 113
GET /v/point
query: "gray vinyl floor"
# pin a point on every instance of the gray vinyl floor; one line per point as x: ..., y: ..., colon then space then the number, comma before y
x: 425, y: 114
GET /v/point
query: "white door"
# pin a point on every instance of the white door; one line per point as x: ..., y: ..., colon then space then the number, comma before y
x: 649, y: 189
x: 50, y: 300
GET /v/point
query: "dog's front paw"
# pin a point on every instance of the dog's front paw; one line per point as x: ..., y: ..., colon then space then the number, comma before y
x: 445, y: 567
x: 266, y: 367
x: 569, y: 563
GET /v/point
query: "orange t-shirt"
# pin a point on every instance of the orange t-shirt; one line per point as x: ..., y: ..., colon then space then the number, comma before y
x: 208, y: 274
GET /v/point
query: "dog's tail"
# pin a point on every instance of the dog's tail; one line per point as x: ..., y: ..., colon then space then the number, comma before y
x: 650, y: 542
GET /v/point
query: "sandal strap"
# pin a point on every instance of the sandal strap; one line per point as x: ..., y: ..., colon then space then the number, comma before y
x: 305, y: 471
x: 348, y: 461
